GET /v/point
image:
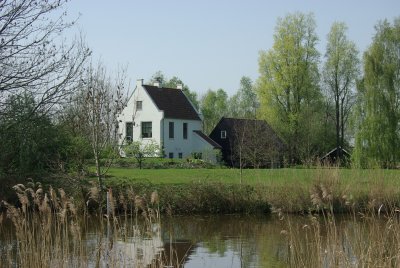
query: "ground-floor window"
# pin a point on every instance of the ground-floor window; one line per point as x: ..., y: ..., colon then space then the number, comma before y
x: 180, y: 155
x: 128, y: 131
x: 171, y: 155
x: 147, y: 130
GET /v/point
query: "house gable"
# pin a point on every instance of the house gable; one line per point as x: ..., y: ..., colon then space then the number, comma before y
x: 138, y: 113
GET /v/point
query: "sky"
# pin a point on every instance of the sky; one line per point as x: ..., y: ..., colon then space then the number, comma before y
x: 209, y: 44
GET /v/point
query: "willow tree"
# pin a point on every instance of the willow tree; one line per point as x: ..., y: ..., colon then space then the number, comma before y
x: 288, y: 84
x: 339, y: 75
x: 378, y: 121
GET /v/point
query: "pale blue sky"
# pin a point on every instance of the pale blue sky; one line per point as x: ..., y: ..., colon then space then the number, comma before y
x: 209, y: 44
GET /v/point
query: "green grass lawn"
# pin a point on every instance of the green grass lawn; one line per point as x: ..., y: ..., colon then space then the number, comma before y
x: 289, y: 189
x: 356, y: 178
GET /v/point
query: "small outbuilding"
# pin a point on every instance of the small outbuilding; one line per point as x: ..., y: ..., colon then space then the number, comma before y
x: 336, y: 154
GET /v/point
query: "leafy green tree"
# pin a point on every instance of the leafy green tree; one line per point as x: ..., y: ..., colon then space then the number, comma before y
x: 244, y: 103
x: 173, y: 83
x: 339, y: 74
x: 213, y: 106
x: 30, y: 143
x: 288, y: 85
x: 378, y: 111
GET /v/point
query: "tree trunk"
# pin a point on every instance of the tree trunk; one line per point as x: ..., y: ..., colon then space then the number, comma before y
x: 337, y: 108
x: 98, y: 171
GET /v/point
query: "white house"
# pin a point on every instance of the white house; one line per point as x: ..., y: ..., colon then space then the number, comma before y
x: 167, y: 117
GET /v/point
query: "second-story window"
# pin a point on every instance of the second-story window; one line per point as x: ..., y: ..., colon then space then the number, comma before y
x: 139, y: 105
x: 171, y: 130
x: 223, y: 134
x: 185, y: 131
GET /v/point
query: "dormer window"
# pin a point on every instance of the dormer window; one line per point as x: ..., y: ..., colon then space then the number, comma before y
x: 138, y: 105
x: 223, y: 134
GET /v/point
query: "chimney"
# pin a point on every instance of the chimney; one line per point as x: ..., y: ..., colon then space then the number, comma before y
x: 179, y: 86
x: 157, y: 84
x: 139, y: 82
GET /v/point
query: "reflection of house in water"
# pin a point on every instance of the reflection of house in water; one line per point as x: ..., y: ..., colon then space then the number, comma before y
x: 151, y: 251
x: 140, y: 252
x: 176, y: 253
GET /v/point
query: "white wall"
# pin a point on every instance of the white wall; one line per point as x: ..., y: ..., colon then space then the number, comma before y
x: 149, y: 113
x: 178, y: 144
x: 208, y: 152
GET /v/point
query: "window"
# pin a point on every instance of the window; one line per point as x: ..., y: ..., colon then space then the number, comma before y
x: 138, y: 105
x: 223, y: 134
x: 171, y: 155
x: 185, y: 130
x: 180, y: 155
x: 171, y: 130
x: 147, y: 130
x: 128, y: 131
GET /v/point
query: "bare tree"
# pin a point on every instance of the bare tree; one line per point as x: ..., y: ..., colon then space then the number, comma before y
x: 33, y: 57
x: 254, y: 144
x: 101, y: 101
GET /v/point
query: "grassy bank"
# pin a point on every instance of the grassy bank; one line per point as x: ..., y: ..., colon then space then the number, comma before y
x: 290, y: 190
x: 218, y: 190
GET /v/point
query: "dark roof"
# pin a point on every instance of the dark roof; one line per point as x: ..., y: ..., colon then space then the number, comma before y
x: 207, y: 139
x: 173, y: 102
x: 230, y: 124
x: 333, y: 153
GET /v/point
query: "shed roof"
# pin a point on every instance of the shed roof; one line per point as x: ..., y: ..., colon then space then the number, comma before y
x: 207, y: 139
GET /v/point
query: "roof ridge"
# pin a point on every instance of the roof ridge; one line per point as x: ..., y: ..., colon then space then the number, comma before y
x: 173, y: 102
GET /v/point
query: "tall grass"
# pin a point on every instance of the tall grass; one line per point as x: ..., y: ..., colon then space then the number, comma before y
x: 47, y: 231
x: 370, y: 239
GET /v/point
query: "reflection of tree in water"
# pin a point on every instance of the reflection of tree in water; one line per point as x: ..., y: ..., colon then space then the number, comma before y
x: 256, y: 241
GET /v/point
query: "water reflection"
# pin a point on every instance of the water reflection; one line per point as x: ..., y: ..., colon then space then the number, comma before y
x: 228, y: 241
x: 217, y: 241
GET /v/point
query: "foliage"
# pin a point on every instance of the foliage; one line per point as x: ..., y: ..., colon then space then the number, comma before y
x: 378, y: 110
x: 142, y: 150
x: 340, y: 72
x: 30, y: 143
x: 244, y: 103
x: 213, y: 106
x: 288, y: 85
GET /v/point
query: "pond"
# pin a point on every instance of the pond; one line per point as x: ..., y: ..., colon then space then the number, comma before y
x: 232, y: 241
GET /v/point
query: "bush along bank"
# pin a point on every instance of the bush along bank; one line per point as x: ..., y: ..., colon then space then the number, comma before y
x: 327, y: 190
x: 199, y: 198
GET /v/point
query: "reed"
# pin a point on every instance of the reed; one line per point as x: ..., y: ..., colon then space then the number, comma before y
x: 369, y: 239
x: 48, y: 231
